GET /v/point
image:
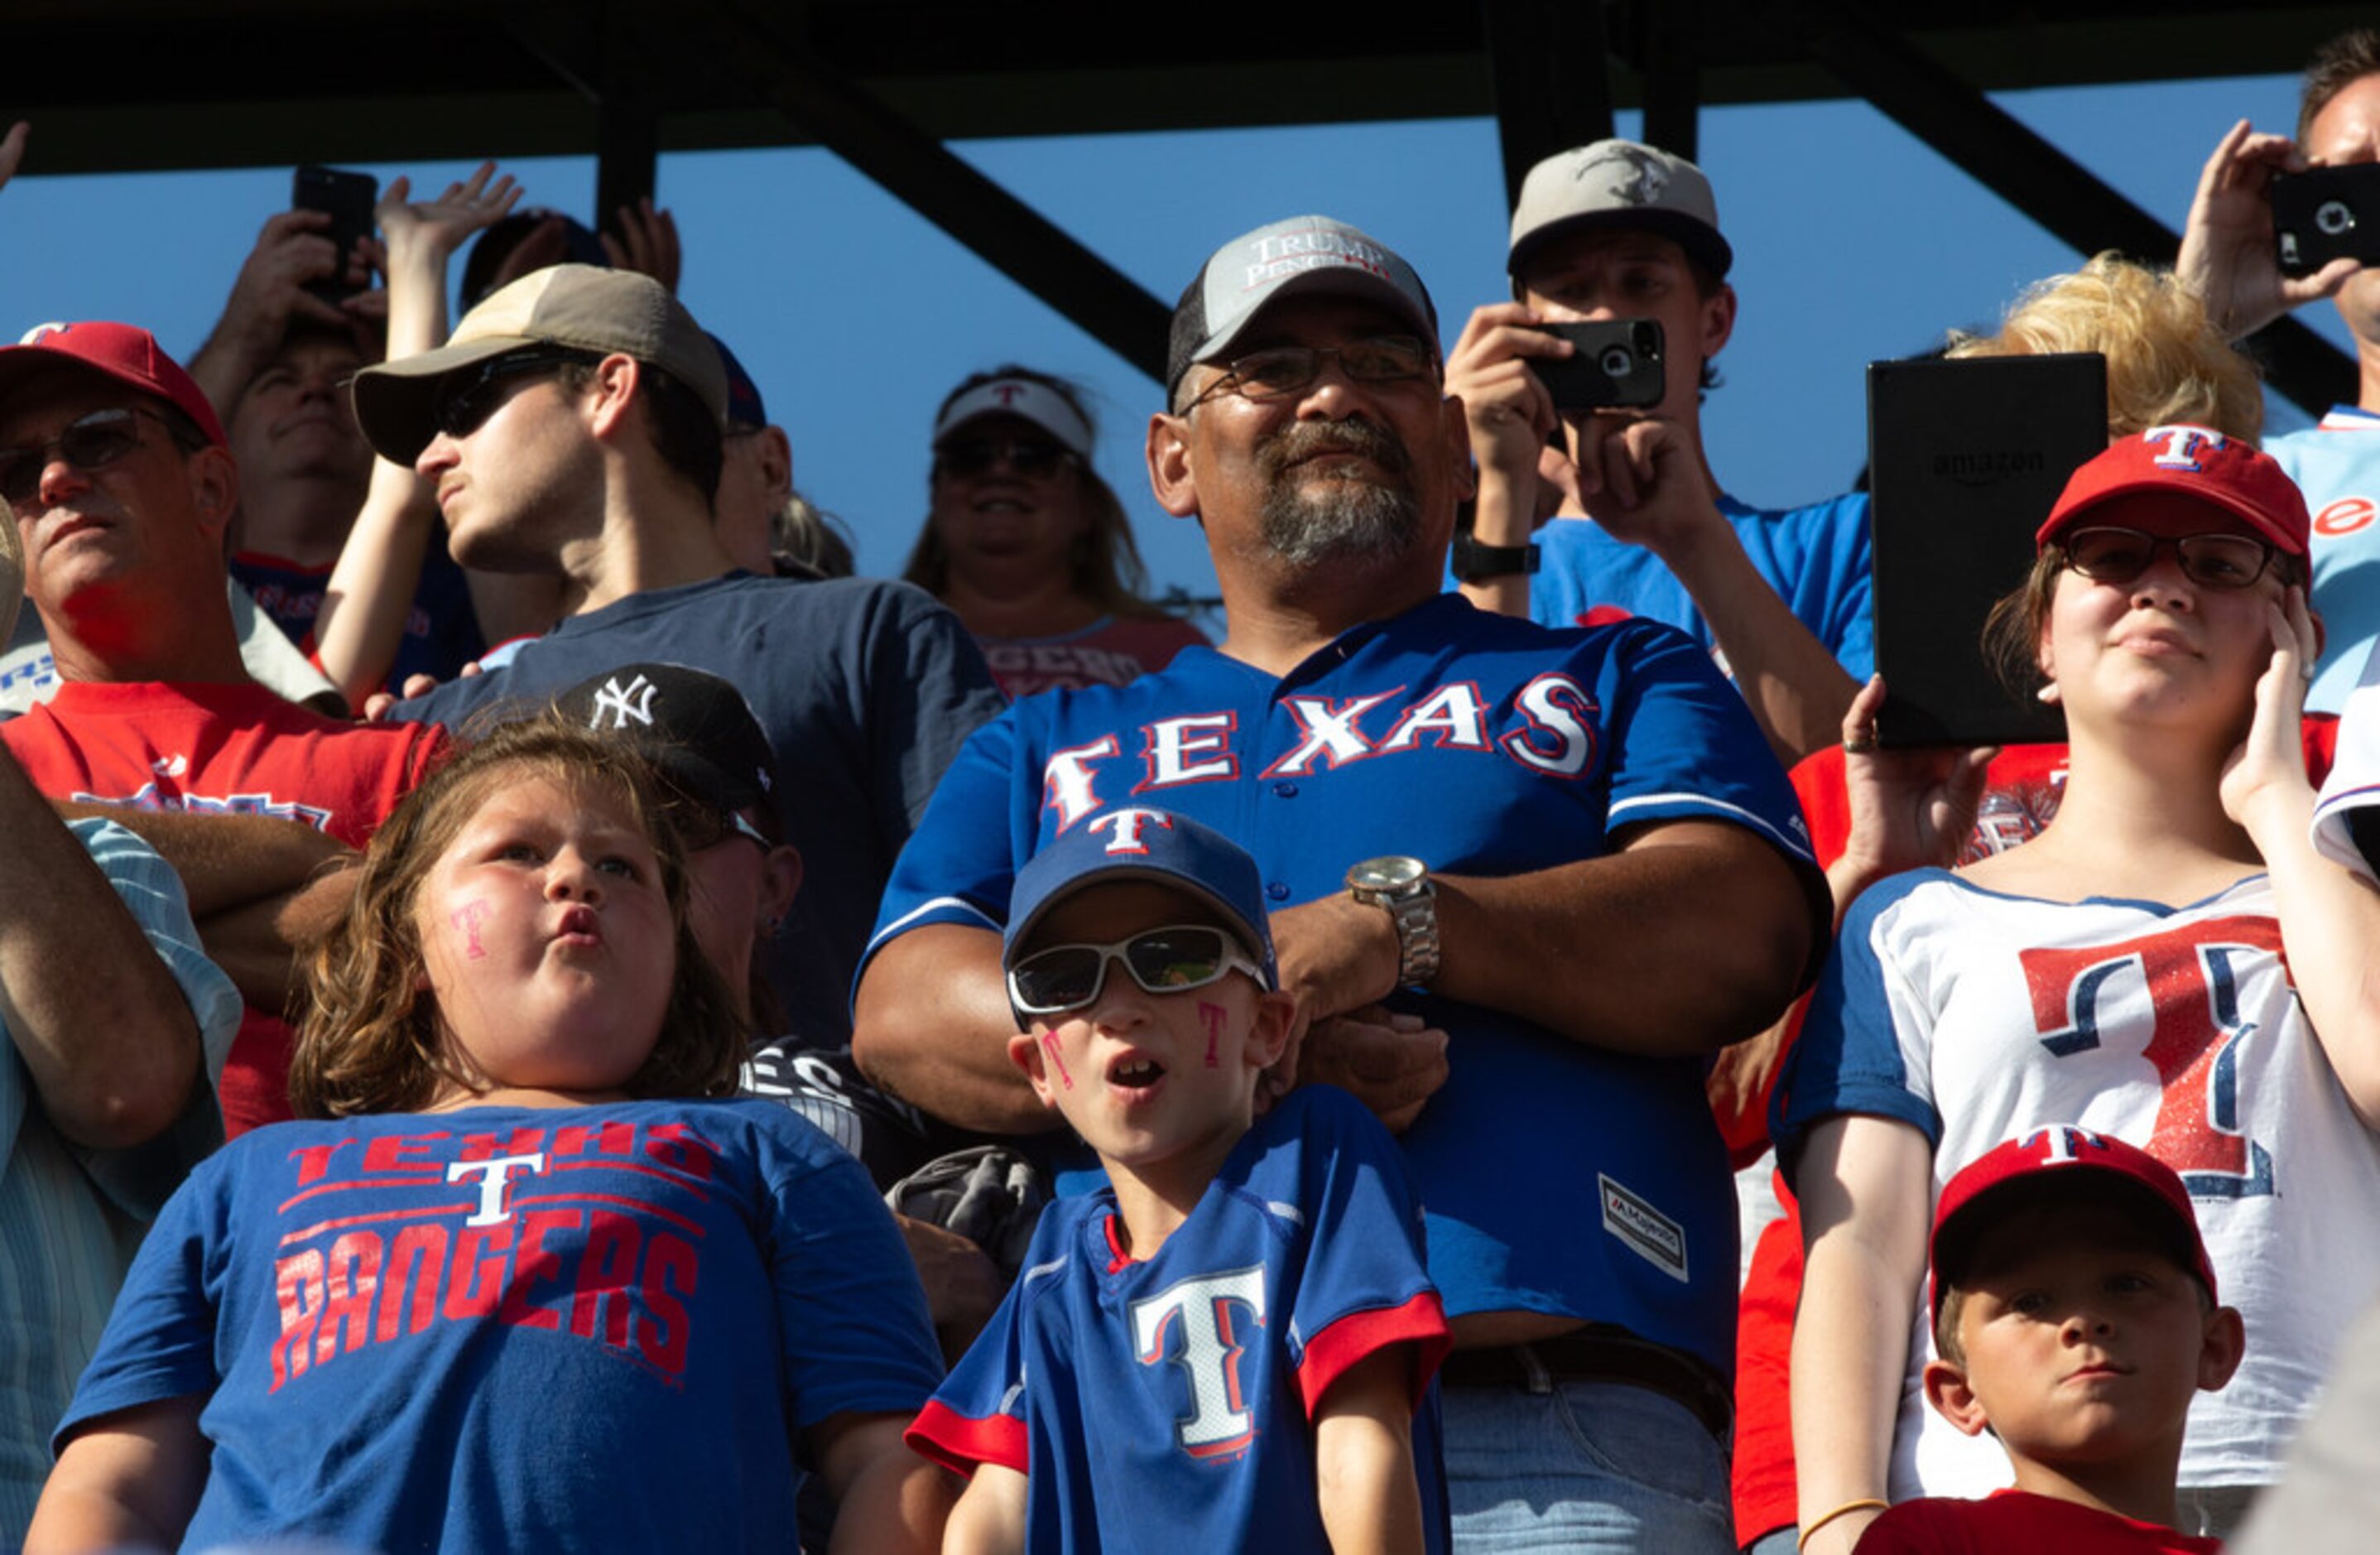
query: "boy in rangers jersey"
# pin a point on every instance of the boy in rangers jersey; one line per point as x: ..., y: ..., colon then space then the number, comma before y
x: 1232, y: 1344
x: 2075, y: 1314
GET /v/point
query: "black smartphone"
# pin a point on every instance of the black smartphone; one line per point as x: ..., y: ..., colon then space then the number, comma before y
x: 348, y: 198
x: 2324, y: 214
x: 1615, y: 362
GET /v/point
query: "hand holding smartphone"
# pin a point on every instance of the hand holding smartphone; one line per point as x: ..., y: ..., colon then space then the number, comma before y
x: 348, y: 199
x: 2324, y: 214
x: 1614, y: 363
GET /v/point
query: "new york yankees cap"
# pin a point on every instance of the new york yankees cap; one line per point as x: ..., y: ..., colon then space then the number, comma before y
x: 1305, y: 256
x: 126, y: 353
x: 577, y: 306
x: 1037, y: 403
x: 1618, y: 186
x: 2061, y: 1163
x: 1134, y: 842
x: 2198, y: 463
x: 695, y: 727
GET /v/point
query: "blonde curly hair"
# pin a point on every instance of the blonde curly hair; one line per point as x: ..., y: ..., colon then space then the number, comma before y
x: 2166, y: 361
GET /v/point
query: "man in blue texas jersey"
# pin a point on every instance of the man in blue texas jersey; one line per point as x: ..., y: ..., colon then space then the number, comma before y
x: 1230, y: 1345
x: 1584, y: 874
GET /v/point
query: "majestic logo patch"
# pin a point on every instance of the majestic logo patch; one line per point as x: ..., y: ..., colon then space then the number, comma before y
x: 1660, y: 1240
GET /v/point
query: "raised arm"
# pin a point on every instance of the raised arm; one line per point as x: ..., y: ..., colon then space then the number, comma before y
x: 112, y: 1058
x: 370, y: 590
x: 1509, y: 416
x: 1864, y: 1186
x: 2228, y: 259
x: 2330, y: 915
x: 267, y: 296
x: 989, y: 1518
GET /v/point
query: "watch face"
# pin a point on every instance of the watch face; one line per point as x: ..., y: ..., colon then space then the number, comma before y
x: 1390, y: 874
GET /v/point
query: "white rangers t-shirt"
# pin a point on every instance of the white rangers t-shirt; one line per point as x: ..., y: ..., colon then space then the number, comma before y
x: 1976, y: 1016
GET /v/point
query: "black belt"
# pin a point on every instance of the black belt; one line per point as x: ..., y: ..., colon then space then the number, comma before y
x: 1598, y: 1353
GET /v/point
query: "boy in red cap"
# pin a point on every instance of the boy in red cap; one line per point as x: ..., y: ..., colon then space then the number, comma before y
x: 2075, y: 1314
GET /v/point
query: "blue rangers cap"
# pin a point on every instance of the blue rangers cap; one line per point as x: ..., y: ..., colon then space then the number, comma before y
x: 1138, y: 844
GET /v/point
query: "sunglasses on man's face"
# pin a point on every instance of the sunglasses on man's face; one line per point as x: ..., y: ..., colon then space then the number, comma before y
x: 88, y: 442
x: 1063, y: 978
x: 1032, y: 457
x: 2115, y: 557
x: 465, y: 402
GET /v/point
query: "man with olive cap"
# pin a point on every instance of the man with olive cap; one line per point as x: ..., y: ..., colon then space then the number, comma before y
x: 572, y: 427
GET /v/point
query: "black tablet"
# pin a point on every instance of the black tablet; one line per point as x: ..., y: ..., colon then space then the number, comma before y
x: 1965, y: 459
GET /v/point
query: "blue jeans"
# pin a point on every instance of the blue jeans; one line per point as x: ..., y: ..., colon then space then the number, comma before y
x: 1597, y: 1466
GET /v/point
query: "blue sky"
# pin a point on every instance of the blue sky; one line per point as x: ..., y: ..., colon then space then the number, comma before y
x: 1853, y: 242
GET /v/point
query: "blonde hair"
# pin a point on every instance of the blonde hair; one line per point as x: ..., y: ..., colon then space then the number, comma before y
x: 370, y: 1041
x: 2166, y: 361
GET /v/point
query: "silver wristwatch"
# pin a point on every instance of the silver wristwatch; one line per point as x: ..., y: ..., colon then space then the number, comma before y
x: 1401, y: 886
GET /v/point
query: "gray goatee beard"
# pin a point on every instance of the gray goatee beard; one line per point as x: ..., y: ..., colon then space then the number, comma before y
x: 1340, y: 519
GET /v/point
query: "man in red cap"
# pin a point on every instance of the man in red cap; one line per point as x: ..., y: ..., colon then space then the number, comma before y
x: 115, y: 470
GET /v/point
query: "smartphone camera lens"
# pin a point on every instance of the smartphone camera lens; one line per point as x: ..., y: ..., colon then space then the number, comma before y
x: 2334, y: 216
x: 1617, y: 361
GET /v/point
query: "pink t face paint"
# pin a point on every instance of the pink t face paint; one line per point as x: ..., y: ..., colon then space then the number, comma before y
x: 1212, y: 1014
x: 1050, y: 1046
x: 466, y: 918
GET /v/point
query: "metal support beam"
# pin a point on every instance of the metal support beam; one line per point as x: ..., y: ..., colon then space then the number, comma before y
x: 1672, y: 77
x: 1003, y: 230
x: 2028, y: 172
x: 627, y: 130
x: 1553, y: 86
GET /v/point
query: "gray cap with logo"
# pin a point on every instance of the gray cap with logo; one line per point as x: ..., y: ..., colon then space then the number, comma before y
x: 1618, y: 186
x: 1305, y: 256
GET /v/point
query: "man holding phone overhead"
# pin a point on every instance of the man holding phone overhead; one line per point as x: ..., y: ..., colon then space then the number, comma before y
x: 1617, y: 235
x: 2249, y: 269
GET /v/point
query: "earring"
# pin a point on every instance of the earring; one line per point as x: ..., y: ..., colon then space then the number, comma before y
x: 2047, y: 694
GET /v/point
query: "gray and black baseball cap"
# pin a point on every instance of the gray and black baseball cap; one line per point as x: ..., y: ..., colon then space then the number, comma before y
x: 1619, y: 186
x: 577, y: 306
x: 1305, y: 256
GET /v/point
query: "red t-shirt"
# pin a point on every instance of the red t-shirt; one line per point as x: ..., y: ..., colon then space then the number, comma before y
x: 230, y: 748
x: 2022, y: 788
x: 1111, y: 651
x: 2018, y: 1520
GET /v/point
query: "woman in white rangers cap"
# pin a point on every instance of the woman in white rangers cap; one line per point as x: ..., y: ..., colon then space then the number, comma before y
x: 1028, y: 544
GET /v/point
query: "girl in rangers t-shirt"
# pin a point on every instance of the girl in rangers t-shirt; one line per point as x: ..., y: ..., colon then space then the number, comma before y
x: 513, y: 1280
x: 2123, y: 971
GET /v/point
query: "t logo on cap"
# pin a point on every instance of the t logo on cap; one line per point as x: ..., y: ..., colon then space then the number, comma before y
x: 1125, y: 824
x: 2181, y: 445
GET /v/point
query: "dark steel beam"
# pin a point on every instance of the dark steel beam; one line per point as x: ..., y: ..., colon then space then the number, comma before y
x: 1552, y: 81
x: 1002, y: 229
x: 1938, y: 107
x: 627, y: 129
x: 1672, y: 76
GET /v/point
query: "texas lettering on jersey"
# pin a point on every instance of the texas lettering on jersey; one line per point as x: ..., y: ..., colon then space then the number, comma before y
x: 2195, y: 1029
x: 150, y: 796
x: 1550, y: 730
x: 569, y: 1230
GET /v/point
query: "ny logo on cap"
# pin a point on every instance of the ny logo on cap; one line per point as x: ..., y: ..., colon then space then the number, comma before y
x: 1125, y: 824
x: 2182, y: 446
x: 635, y: 701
